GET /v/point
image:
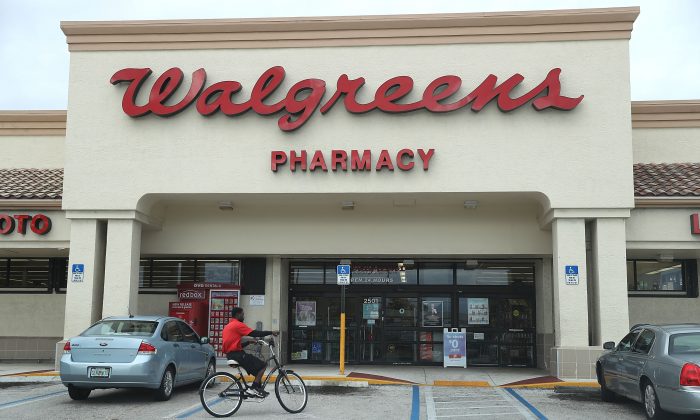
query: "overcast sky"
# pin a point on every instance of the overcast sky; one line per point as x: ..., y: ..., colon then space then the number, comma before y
x: 665, y: 47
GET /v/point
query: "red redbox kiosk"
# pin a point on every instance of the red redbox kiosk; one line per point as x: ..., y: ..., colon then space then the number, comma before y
x: 193, y: 313
x: 207, y: 308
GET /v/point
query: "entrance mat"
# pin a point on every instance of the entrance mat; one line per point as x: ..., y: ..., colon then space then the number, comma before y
x: 535, y: 381
x: 359, y: 375
x: 462, y: 383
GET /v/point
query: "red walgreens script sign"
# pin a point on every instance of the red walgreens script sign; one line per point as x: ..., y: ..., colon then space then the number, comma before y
x: 305, y: 96
x: 695, y: 224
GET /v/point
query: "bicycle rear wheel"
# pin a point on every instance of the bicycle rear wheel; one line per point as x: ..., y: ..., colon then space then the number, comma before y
x: 221, y: 394
x: 291, y: 391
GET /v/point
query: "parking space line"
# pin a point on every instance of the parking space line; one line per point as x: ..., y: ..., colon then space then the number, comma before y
x: 429, y: 403
x: 31, y: 399
x: 415, y: 403
x: 525, y: 403
x: 479, y: 414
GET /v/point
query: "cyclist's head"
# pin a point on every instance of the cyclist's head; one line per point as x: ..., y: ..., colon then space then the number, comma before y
x: 238, y: 313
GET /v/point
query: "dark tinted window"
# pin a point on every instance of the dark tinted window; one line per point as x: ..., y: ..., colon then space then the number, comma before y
x: 435, y: 273
x: 626, y: 343
x: 171, y: 332
x: 307, y: 273
x: 688, y: 343
x: 644, y: 342
x: 188, y: 333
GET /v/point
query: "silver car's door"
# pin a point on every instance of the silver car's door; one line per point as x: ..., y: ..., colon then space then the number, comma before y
x: 633, y: 364
x: 174, y: 340
x: 613, y: 369
x: 196, y: 356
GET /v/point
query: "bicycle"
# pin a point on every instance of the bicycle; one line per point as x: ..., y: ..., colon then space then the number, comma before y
x: 223, y: 393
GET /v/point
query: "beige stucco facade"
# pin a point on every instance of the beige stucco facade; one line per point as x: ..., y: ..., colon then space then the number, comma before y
x: 551, y: 187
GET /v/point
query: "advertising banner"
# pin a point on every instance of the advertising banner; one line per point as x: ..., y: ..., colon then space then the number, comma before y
x: 454, y: 348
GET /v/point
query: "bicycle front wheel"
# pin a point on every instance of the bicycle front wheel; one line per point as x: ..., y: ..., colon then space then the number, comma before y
x: 221, y: 394
x: 291, y: 391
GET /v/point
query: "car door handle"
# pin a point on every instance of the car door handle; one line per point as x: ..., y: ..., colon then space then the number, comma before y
x: 176, y: 345
x: 193, y: 346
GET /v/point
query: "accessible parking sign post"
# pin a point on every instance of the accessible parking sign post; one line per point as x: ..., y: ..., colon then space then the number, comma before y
x: 343, y: 274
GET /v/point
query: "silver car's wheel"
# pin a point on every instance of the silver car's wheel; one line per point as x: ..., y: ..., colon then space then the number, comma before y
x: 166, y: 385
x: 651, y: 403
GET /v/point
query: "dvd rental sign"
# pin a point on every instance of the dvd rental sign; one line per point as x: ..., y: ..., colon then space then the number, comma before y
x: 300, y: 102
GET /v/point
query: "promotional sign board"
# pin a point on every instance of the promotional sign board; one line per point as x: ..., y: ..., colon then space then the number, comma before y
x: 454, y: 347
x: 432, y: 313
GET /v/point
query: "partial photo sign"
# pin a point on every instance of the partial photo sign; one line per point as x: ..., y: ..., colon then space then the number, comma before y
x: 305, y: 313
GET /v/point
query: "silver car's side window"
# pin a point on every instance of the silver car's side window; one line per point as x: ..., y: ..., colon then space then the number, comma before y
x: 644, y: 342
x: 171, y: 332
x: 189, y: 334
x: 626, y: 343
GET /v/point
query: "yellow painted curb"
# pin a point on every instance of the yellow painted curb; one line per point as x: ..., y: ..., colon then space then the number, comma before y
x: 552, y: 385
x: 54, y: 373
x: 462, y: 383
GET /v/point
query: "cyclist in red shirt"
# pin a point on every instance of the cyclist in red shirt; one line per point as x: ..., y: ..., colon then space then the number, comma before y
x: 232, y: 334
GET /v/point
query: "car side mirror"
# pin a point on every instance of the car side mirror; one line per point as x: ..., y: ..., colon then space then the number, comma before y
x: 204, y: 340
x: 609, y: 345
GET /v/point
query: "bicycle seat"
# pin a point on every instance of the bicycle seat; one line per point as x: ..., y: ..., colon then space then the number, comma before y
x: 232, y: 363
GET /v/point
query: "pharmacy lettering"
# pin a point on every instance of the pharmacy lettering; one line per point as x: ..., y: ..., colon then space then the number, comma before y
x: 304, y: 97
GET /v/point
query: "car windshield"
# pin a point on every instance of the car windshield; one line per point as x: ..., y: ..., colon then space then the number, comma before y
x: 687, y: 343
x: 123, y: 327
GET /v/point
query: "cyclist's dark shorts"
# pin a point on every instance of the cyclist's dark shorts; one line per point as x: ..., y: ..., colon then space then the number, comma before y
x: 250, y: 363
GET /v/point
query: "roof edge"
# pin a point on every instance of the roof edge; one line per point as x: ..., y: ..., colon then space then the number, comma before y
x: 666, y: 114
x: 415, y: 29
x: 33, y: 123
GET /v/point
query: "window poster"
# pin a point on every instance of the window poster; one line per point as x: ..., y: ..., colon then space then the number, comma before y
x: 478, y: 311
x: 432, y: 313
x: 306, y: 313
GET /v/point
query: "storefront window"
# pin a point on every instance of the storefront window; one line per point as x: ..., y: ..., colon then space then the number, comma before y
x: 25, y: 273
x: 496, y: 274
x: 379, y: 273
x: 306, y: 273
x: 401, y: 312
x: 435, y: 273
x: 218, y: 271
x: 659, y: 277
x: 168, y: 273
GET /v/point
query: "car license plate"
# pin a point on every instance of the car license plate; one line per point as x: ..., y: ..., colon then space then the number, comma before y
x: 99, y: 372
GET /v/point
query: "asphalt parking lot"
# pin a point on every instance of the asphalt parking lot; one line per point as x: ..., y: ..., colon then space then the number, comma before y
x: 50, y: 400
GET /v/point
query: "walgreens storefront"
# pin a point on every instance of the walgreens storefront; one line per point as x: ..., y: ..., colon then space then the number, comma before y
x: 460, y: 163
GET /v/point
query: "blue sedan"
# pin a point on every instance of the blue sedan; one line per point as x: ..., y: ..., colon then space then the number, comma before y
x: 153, y: 352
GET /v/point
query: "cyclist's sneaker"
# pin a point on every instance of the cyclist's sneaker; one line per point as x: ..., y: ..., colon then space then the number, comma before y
x: 252, y: 392
x: 258, y: 389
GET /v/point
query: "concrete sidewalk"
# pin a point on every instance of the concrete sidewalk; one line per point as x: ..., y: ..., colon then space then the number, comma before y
x: 359, y: 375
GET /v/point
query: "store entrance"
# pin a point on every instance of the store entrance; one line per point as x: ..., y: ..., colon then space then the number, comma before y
x: 403, y: 324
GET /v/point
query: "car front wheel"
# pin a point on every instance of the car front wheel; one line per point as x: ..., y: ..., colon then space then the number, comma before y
x: 166, y: 385
x: 651, y: 402
x: 78, y: 393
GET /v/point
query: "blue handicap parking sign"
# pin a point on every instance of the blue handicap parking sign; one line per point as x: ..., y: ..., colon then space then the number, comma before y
x: 78, y: 268
x: 571, y: 269
x: 343, y: 269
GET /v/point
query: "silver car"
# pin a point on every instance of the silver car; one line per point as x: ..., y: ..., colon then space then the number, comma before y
x: 657, y: 365
x: 153, y: 352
